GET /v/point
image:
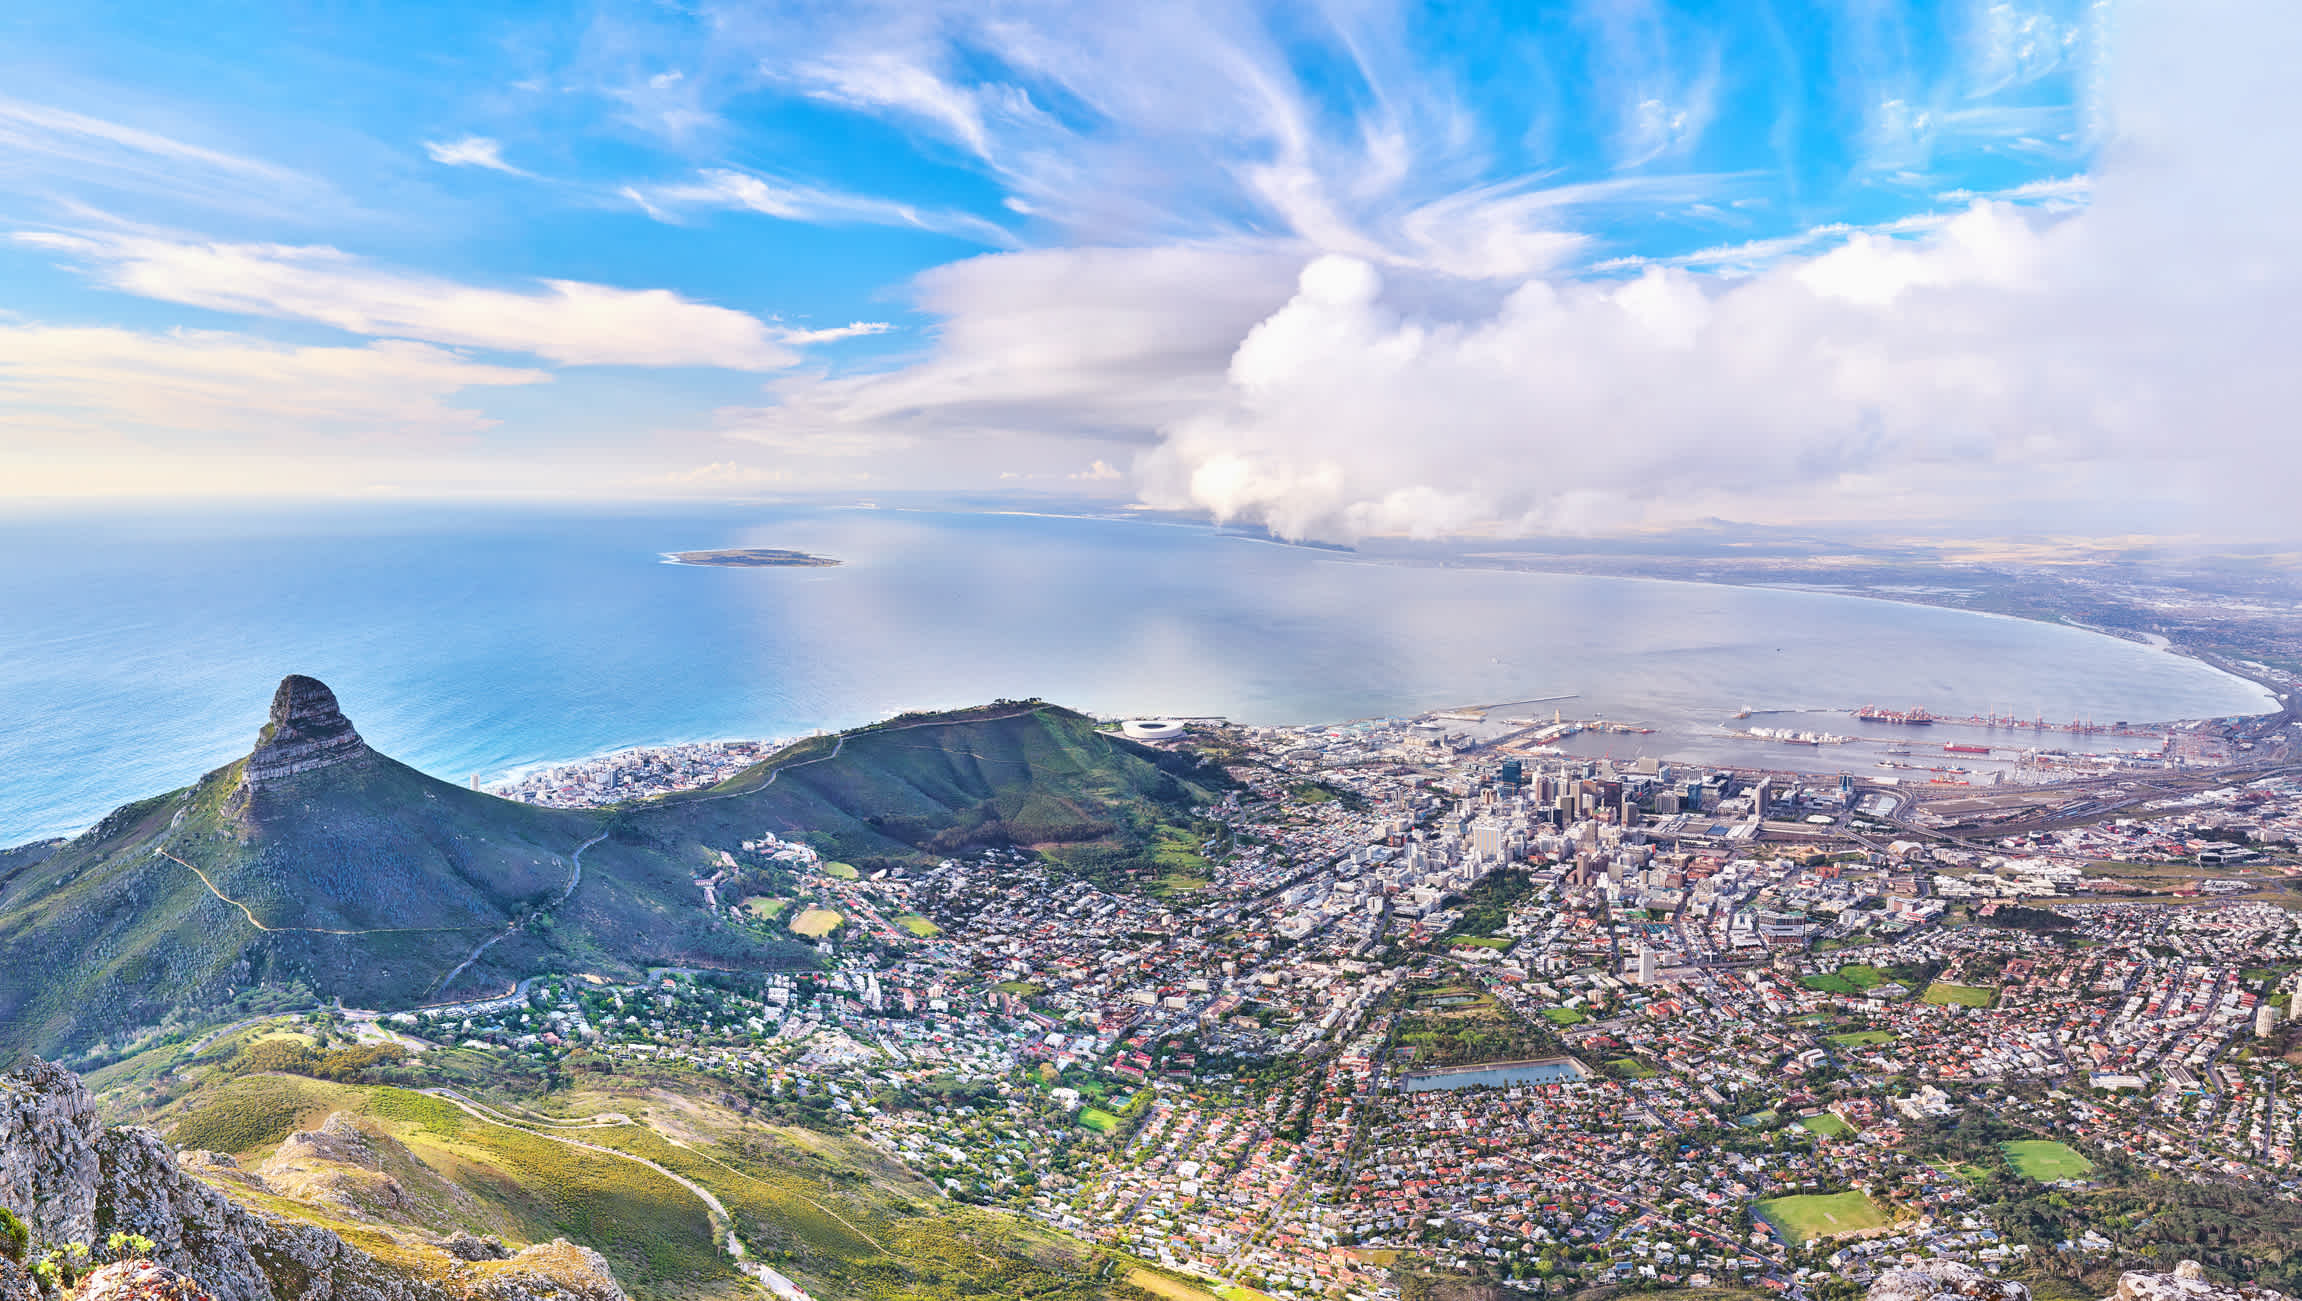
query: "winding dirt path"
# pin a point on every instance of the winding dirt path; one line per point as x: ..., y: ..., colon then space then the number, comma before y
x: 249, y: 913
x: 575, y: 878
x: 723, y: 1224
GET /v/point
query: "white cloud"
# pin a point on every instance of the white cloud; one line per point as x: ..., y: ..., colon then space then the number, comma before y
x: 97, y: 381
x: 728, y: 189
x: 1449, y: 370
x: 832, y: 334
x: 722, y: 474
x: 1078, y: 342
x: 1189, y: 122
x: 566, y: 321
x: 888, y: 80
x: 471, y: 151
x: 42, y: 146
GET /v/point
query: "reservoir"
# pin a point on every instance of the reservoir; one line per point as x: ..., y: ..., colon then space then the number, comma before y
x: 1547, y: 1070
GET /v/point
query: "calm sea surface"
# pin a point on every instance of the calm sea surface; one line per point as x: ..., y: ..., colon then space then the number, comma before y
x: 137, y: 653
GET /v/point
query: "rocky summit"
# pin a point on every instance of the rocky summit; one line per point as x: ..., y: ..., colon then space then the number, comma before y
x: 73, y: 1181
x: 306, y: 731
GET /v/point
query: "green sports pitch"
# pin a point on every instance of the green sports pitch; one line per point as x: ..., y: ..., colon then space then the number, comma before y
x: 2046, y: 1160
x: 1810, y: 1216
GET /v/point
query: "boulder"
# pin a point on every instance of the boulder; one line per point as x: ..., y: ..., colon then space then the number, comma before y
x: 1944, y: 1281
x: 2188, y: 1282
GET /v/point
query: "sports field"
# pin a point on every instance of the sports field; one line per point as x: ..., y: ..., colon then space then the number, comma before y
x: 1096, y: 1118
x: 1863, y: 1038
x: 1826, y: 1125
x: 919, y: 926
x: 1852, y: 978
x: 842, y: 871
x: 1821, y: 1215
x: 816, y: 923
x: 2046, y: 1160
x: 1962, y: 995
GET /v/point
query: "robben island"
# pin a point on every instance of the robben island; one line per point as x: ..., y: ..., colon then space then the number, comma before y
x: 1188, y: 1008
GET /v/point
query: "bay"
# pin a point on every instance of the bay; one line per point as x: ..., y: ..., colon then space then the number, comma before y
x: 138, y: 650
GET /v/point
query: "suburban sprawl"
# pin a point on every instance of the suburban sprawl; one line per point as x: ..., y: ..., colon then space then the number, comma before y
x: 1420, y: 1005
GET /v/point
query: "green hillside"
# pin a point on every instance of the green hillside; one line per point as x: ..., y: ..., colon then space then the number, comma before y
x: 336, y: 872
x: 1027, y: 775
x: 833, y: 1213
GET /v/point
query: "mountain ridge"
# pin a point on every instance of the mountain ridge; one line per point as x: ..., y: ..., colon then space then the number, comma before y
x: 322, y: 869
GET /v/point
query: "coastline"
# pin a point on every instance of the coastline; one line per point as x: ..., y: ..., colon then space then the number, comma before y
x: 2149, y: 641
x: 641, y: 664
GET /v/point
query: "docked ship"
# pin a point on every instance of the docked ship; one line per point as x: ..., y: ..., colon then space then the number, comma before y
x: 1910, y: 717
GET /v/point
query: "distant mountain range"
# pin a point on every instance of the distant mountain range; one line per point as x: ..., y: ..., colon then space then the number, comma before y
x: 319, y: 866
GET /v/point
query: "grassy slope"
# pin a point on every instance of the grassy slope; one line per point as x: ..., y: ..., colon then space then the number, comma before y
x: 655, y: 1233
x: 836, y: 1215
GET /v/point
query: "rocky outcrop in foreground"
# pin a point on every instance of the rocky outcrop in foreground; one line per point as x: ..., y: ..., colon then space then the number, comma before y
x: 71, y: 1180
x: 1944, y: 1281
x: 2188, y: 1282
x: 1949, y: 1281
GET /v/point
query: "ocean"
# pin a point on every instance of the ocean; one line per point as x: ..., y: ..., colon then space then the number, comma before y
x: 139, y: 649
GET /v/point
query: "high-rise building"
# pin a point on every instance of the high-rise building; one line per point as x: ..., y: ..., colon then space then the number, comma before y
x: 2265, y: 1018
x: 1487, y: 838
x: 1761, y: 797
x: 1646, y: 965
x: 2294, y: 1009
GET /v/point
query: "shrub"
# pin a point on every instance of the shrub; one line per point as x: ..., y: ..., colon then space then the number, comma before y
x: 14, y: 1237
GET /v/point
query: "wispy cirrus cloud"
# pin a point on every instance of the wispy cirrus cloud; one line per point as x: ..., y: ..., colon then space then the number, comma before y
x: 566, y: 321
x: 728, y: 189
x: 47, y: 148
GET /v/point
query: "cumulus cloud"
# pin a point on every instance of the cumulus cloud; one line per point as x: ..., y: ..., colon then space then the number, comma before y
x: 1980, y: 352
x: 567, y: 321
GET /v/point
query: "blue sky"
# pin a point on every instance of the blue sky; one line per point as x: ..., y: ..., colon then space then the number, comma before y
x: 623, y: 250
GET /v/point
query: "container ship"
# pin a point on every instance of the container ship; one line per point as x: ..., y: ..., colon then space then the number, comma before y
x: 1909, y: 717
x: 1966, y: 749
